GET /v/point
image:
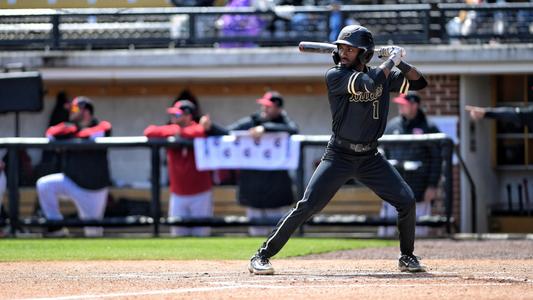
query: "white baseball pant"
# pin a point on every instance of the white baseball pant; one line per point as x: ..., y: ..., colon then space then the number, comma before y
x: 90, y: 203
x: 197, y: 205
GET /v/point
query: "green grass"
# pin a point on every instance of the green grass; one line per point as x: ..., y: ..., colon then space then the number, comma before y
x: 166, y: 249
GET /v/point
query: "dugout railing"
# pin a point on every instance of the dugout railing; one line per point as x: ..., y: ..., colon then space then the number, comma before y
x: 155, y: 219
x: 68, y: 29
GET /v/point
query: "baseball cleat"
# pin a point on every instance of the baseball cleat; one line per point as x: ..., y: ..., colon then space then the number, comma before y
x: 260, y: 265
x: 409, y: 263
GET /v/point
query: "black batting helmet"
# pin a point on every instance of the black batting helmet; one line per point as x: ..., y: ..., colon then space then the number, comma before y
x: 359, y: 37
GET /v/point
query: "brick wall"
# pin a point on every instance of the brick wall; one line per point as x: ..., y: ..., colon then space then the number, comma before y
x: 441, y: 97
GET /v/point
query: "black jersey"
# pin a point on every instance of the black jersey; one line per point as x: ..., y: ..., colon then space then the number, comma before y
x: 359, y: 101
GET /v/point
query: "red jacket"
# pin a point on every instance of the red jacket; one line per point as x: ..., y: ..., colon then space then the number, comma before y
x: 185, y: 179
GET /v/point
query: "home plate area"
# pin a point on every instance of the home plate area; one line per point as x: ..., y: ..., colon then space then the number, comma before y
x: 294, y: 279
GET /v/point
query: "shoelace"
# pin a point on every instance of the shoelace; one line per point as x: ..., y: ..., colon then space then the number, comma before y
x: 413, y: 258
x: 264, y: 261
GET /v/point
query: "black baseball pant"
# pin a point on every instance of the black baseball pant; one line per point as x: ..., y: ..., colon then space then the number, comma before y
x: 335, y: 169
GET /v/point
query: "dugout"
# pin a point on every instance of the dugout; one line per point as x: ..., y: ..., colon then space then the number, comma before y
x: 353, y: 208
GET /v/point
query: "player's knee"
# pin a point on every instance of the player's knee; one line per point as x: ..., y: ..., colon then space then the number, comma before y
x: 304, y: 209
x: 40, y: 184
x: 407, y: 202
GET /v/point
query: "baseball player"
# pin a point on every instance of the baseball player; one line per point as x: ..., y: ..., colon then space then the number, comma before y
x: 265, y: 200
x: 518, y: 115
x: 85, y: 177
x: 359, y: 102
x: 420, y: 165
x: 190, y: 189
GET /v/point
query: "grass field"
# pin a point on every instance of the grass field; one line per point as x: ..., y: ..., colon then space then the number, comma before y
x: 167, y: 249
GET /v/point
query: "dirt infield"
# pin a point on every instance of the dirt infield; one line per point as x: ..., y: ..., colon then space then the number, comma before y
x: 467, y: 269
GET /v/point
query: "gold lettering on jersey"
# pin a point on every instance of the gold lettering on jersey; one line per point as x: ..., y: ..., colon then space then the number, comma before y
x: 367, y: 96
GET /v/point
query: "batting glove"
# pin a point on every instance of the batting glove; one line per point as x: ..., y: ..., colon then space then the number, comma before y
x: 385, y: 52
x: 396, y: 56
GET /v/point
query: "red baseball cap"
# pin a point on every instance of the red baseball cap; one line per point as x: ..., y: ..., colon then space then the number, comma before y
x: 181, y: 107
x: 270, y: 99
x: 408, y: 98
x: 81, y: 102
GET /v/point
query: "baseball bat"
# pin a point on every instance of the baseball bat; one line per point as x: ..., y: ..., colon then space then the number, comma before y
x: 318, y: 47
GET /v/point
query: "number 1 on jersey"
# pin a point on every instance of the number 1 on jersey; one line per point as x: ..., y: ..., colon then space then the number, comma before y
x: 375, y: 105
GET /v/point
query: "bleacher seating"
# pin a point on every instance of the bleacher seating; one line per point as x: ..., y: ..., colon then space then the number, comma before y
x: 412, y: 22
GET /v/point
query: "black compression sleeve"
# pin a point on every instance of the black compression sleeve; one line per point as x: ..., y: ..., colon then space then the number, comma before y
x: 404, y: 67
x: 418, y: 84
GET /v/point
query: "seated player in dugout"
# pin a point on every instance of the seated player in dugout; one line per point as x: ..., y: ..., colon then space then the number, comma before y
x: 190, y: 189
x: 262, y: 200
x: 358, y: 97
x: 420, y: 164
x: 85, y: 177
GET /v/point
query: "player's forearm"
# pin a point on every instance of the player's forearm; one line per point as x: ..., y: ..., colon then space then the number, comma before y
x: 102, y: 129
x: 386, y: 67
x: 242, y: 124
x: 381, y: 75
x: 62, y: 130
x: 217, y: 130
x: 509, y: 114
x: 154, y: 131
x: 416, y: 79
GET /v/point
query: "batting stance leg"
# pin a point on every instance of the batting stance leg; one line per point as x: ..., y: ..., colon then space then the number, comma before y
x: 384, y: 180
x: 325, y: 182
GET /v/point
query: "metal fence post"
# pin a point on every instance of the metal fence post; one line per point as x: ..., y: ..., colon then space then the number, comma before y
x: 13, y: 188
x: 448, y: 182
x: 156, y: 188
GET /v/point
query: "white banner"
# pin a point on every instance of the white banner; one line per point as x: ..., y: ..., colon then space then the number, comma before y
x: 273, y: 151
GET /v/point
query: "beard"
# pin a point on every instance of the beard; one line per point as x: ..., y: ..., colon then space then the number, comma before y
x: 356, y: 65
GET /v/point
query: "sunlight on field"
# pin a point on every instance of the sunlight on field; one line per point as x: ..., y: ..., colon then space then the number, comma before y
x: 179, y: 248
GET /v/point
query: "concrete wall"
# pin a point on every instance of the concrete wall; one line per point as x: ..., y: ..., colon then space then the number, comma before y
x: 131, y: 114
x: 477, y: 151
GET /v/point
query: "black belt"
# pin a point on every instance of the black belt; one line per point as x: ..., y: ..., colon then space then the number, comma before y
x: 353, y: 146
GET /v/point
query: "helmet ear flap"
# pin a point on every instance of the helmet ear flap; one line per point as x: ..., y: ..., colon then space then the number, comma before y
x: 366, y: 56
